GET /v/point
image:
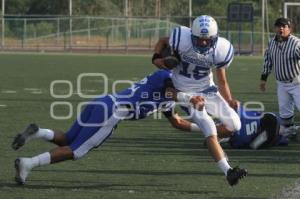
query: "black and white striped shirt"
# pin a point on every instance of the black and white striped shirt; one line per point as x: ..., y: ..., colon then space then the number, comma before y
x: 284, y: 57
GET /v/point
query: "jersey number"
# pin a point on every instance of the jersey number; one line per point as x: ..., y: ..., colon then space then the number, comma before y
x: 198, y: 72
x: 251, y: 128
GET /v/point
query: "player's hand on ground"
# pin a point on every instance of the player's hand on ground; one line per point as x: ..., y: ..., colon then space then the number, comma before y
x: 262, y: 85
x: 198, y: 102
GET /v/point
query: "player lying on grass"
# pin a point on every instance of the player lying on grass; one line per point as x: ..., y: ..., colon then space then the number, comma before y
x: 259, y: 130
x: 97, y: 122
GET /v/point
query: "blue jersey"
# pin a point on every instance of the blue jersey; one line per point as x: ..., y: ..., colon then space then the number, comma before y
x: 250, y: 121
x: 97, y: 121
x: 147, y: 96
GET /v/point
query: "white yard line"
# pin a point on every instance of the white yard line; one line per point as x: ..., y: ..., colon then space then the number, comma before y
x: 37, y: 92
x: 31, y: 89
x: 9, y: 91
x: 90, y: 91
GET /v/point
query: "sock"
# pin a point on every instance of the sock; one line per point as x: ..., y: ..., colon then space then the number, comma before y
x: 46, y: 134
x: 223, y: 165
x: 40, y: 160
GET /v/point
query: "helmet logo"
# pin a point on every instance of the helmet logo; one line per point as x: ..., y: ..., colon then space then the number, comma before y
x: 204, y: 25
x: 204, y: 19
x: 204, y: 31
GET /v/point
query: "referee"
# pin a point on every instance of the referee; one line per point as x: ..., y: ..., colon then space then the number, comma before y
x: 283, y: 55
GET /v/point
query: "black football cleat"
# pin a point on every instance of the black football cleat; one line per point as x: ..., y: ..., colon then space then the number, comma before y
x: 235, y: 174
x: 20, y: 139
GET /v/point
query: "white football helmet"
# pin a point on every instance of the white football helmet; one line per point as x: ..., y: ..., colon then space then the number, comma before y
x: 204, y: 28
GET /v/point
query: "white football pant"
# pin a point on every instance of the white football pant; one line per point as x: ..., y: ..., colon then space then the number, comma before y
x: 288, y: 96
x: 218, y: 108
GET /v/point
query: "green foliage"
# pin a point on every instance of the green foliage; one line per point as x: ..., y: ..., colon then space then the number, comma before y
x: 14, y: 28
x: 176, y: 11
x: 37, y: 7
x: 46, y: 7
x: 95, y: 7
x: 42, y: 28
x: 17, y: 7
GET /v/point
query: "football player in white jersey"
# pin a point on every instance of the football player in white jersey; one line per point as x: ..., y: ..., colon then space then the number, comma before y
x: 199, y: 50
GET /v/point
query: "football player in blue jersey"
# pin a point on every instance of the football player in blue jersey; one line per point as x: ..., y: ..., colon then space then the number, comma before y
x: 200, y: 49
x: 259, y: 130
x: 97, y: 122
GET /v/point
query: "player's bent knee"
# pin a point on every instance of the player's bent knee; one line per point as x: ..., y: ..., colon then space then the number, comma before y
x: 205, y: 123
x: 77, y: 156
x: 210, y: 133
x: 237, y: 125
x: 212, y: 137
x: 234, y: 124
x: 81, y: 151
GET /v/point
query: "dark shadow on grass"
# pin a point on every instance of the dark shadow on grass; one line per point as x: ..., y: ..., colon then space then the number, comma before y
x: 168, y: 173
x: 239, y: 197
x: 275, y: 175
x: 194, y: 147
x: 89, y: 186
x: 138, y: 172
x: 71, y: 185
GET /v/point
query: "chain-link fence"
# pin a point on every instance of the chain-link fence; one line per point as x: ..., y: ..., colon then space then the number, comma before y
x: 105, y: 34
x: 102, y: 34
x: 83, y: 33
x: 138, y: 25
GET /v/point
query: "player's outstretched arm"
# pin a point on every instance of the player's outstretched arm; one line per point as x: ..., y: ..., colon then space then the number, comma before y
x: 225, y: 89
x: 179, y: 123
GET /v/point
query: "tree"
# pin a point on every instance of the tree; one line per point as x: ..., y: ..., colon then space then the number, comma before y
x: 95, y: 7
x: 46, y: 7
x: 17, y: 7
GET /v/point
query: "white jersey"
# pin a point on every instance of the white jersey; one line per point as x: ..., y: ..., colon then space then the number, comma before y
x: 193, y: 74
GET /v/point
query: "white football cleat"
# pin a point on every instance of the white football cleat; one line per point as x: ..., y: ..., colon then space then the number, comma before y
x: 22, y: 170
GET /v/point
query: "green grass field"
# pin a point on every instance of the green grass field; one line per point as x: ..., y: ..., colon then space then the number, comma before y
x: 144, y: 159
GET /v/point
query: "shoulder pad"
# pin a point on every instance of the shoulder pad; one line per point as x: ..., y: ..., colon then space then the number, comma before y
x: 180, y: 39
x: 224, y: 53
